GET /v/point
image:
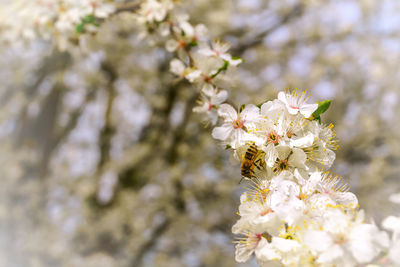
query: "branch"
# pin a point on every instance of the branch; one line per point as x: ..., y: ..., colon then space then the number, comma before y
x: 252, y: 41
x: 108, y: 130
x: 128, y: 7
x: 159, y: 230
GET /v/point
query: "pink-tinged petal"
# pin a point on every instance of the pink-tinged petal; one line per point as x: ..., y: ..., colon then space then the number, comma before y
x: 223, y: 132
x: 227, y: 112
x: 250, y: 113
x: 206, y: 52
x: 308, y: 109
x: 292, y: 111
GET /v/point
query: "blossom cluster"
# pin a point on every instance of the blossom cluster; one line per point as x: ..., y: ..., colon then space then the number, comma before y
x: 61, y: 20
x: 198, y: 60
x: 294, y: 212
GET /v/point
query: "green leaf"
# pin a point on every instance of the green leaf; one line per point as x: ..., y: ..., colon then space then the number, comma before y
x: 237, y: 58
x: 90, y: 19
x: 322, y: 107
x: 228, y: 147
x: 79, y: 27
x: 242, y: 107
x: 193, y: 43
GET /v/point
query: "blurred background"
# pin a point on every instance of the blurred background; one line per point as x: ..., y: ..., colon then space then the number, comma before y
x: 103, y: 163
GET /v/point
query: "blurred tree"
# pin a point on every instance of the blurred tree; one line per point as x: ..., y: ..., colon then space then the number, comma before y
x: 104, y: 163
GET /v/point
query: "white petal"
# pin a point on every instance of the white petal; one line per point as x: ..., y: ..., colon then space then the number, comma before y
x: 395, y: 198
x: 285, y: 245
x: 177, y: 67
x: 208, y: 90
x: 250, y: 113
x: 392, y: 223
x: 206, y: 51
x: 187, y: 28
x: 292, y: 110
x: 298, y: 158
x: 242, y: 254
x: 362, y: 242
x: 308, y: 109
x: 171, y: 45
x: 283, y: 151
x: 330, y: 255
x: 346, y: 198
x: 317, y: 240
x: 193, y: 75
x: 213, y: 116
x: 201, y: 109
x: 271, y: 154
x: 222, y: 132
x: 227, y: 112
x: 282, y: 97
x: 267, y: 107
x: 220, y: 97
x: 394, y: 252
x: 201, y: 30
x: 266, y: 252
x: 304, y: 141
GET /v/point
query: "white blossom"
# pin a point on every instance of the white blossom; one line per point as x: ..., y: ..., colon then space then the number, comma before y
x: 296, y: 103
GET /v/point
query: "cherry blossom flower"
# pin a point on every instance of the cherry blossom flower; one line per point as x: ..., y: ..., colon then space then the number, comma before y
x: 296, y: 103
x: 210, y: 100
x: 235, y: 124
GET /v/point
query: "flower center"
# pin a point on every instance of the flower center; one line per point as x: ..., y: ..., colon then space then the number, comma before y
x: 281, y: 165
x: 237, y: 124
x: 340, y: 239
x: 207, y: 78
x: 210, y: 106
x: 302, y: 196
x: 181, y: 43
x: 289, y: 133
x: 273, y: 138
x: 258, y: 237
x: 266, y: 212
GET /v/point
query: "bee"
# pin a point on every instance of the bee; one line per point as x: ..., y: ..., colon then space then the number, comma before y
x: 253, y: 159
